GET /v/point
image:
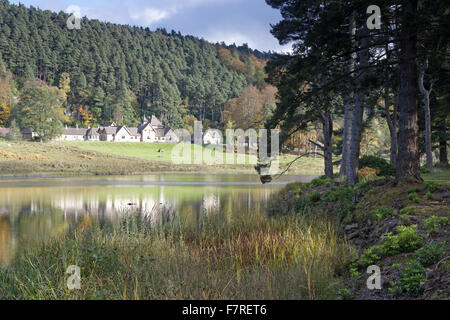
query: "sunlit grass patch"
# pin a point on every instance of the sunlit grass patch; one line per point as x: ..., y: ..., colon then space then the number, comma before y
x: 441, y: 177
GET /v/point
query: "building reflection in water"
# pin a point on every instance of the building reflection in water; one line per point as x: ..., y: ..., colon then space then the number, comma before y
x: 30, y: 215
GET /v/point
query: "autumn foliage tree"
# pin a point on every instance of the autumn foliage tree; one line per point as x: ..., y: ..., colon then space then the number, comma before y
x: 7, y: 88
x: 86, y: 116
x: 248, y: 110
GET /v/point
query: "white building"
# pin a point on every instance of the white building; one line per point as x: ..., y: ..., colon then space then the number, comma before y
x: 213, y: 136
x: 93, y: 134
x: 149, y: 131
x: 108, y: 134
x: 153, y: 131
x: 73, y: 134
x: 124, y: 135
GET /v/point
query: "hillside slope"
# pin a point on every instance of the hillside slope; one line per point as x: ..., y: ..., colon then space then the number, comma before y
x: 116, y: 71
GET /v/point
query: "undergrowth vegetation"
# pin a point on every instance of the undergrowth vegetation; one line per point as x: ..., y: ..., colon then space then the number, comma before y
x: 273, y: 258
x: 388, y: 223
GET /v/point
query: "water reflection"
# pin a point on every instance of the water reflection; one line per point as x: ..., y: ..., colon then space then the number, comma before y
x: 34, y: 210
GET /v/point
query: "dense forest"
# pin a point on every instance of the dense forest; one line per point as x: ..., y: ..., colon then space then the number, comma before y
x: 121, y: 73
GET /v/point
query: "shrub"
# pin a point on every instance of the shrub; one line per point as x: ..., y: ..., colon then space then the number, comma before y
x: 433, y: 224
x: 384, y: 167
x: 413, y: 197
x: 410, y: 210
x: 413, y: 190
x: 340, y: 193
x: 303, y: 205
x: 411, y: 277
x: 344, y: 294
x: 370, y: 256
x: 430, y: 253
x: 431, y: 186
x: 343, y: 196
x: 314, y: 196
x: 430, y: 196
x: 317, y: 182
x: 396, y: 265
x: 395, y: 289
x: 445, y: 266
x: 354, y: 272
x: 406, y: 240
x: 367, y: 172
x: 424, y: 170
x: 381, y: 212
x: 404, y: 219
x: 294, y: 188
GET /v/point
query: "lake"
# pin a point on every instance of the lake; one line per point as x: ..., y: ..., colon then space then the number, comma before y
x: 35, y: 209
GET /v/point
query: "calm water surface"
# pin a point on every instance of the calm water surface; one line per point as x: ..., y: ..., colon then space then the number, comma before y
x: 33, y: 210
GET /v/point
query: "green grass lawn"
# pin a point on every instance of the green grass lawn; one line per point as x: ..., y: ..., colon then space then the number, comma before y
x: 149, y: 151
x: 441, y: 177
x: 102, y: 158
x: 145, y: 151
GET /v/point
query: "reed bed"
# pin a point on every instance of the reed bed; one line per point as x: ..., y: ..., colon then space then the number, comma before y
x: 250, y: 258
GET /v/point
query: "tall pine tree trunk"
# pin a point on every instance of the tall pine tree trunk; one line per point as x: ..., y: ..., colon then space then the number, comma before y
x: 355, y: 142
x: 327, y: 122
x: 408, y: 162
x: 443, y: 156
x: 299, y: 142
x: 392, y: 124
x: 426, y: 100
x: 349, y: 105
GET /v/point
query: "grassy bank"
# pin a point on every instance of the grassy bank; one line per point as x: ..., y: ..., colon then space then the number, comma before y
x: 403, y: 229
x: 102, y: 158
x: 272, y: 258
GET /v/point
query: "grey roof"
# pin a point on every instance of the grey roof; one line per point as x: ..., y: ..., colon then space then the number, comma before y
x: 134, y: 131
x: 154, y: 121
x: 93, y: 132
x: 162, y: 132
x: 123, y: 127
x: 143, y: 126
x: 4, y: 131
x: 109, y: 130
x: 75, y: 132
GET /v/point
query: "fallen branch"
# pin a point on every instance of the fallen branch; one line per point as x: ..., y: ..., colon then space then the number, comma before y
x: 293, y: 161
x: 316, y: 144
x: 439, y: 263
